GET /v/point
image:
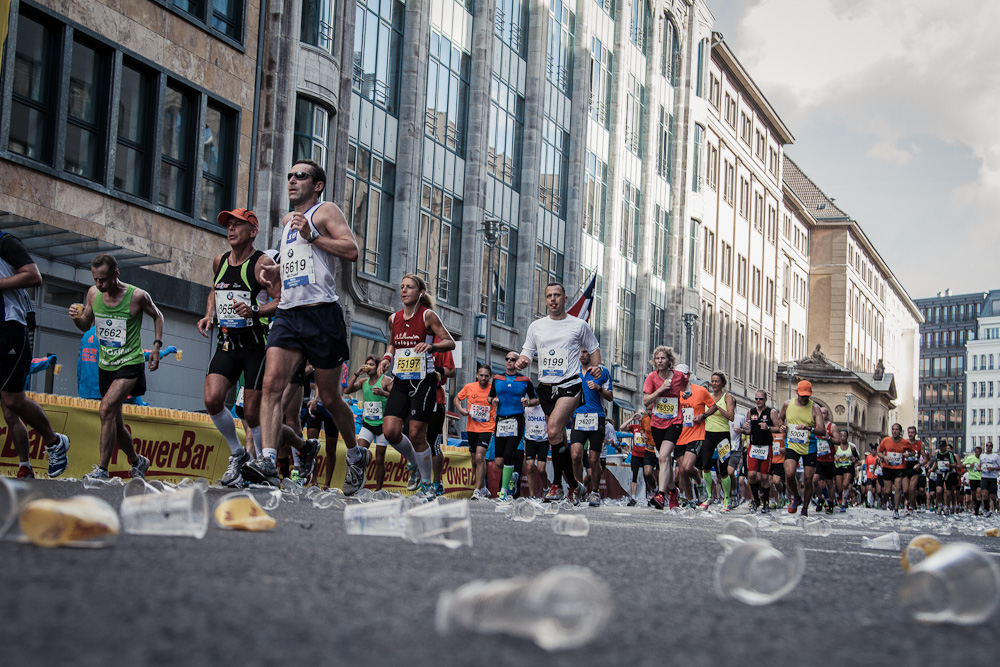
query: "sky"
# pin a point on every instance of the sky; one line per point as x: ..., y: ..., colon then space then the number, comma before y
x: 895, y: 109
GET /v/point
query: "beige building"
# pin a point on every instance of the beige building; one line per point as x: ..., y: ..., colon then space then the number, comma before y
x: 859, y: 313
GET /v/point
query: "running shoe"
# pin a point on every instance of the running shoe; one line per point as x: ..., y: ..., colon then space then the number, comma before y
x: 725, y: 508
x: 753, y: 506
x: 672, y: 501
x: 57, y: 455
x: 233, y: 477
x: 98, y: 474
x: 438, y: 489
x: 513, y: 486
x: 296, y: 477
x: 425, y: 490
x: 631, y: 502
x: 705, y: 505
x: 307, y: 459
x: 263, y: 470
x: 477, y: 494
x: 793, y: 505
x: 765, y: 508
x: 25, y: 472
x: 842, y: 509
x: 594, y: 500
x: 657, y: 501
x: 354, y: 476
x: 829, y: 508
x: 805, y: 510
x: 572, y: 497
x: 555, y: 494
x: 139, y: 468
x: 503, y: 496
x: 895, y: 514
x: 414, y: 480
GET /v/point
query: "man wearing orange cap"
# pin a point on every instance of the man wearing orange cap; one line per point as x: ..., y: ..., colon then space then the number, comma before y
x: 239, y: 302
x: 801, y: 422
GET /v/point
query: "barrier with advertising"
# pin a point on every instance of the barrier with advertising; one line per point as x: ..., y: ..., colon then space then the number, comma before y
x: 186, y: 444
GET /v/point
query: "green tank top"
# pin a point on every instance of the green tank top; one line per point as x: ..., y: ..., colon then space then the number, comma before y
x: 716, y: 422
x: 118, y: 333
x: 373, y: 405
x: 972, y: 463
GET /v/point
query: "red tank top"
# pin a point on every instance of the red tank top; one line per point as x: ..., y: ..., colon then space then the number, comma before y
x: 408, y: 332
x: 828, y: 457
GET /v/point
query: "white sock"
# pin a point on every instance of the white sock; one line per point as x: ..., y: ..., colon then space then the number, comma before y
x: 354, y: 454
x: 227, y: 427
x: 295, y: 457
x: 405, y: 449
x: 425, y: 463
x: 270, y: 453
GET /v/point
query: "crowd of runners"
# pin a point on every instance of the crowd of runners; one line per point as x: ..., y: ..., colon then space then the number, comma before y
x: 282, y: 341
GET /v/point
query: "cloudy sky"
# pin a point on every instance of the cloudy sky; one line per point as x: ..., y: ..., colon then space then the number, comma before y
x: 895, y: 108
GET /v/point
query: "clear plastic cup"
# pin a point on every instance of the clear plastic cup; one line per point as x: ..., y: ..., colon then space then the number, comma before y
x: 383, y: 518
x: 887, y: 542
x: 183, y: 513
x: 523, y: 510
x: 311, y: 492
x: 14, y: 495
x: 563, y: 608
x: 571, y: 526
x: 326, y: 500
x: 919, y: 548
x: 744, y: 529
x: 364, y: 496
x: 756, y: 573
x: 551, y: 508
x: 80, y: 521
x: 267, y: 497
x: 817, y: 525
x: 138, y: 487
x: 444, y: 522
x: 291, y: 486
x: 959, y: 583
x: 382, y: 494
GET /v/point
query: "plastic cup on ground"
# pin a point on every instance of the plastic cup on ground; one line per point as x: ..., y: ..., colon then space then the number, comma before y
x: 562, y: 608
x: 741, y: 528
x: 364, y: 496
x: 523, y: 510
x: 919, y: 548
x: 382, y: 519
x: 817, y: 525
x: 80, y: 521
x: 959, y: 583
x: 240, y: 511
x: 138, y: 487
x: 571, y: 526
x: 290, y: 486
x: 444, y: 522
x: 887, y: 542
x: 14, y: 495
x: 382, y: 494
x: 325, y: 500
x: 552, y: 508
x: 267, y: 497
x: 183, y: 513
x: 756, y: 573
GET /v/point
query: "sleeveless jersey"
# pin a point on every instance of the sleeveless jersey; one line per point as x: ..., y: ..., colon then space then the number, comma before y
x: 307, y: 273
x: 760, y: 423
x: 373, y: 406
x: 234, y: 284
x: 407, y: 333
x: 825, y: 452
x: 716, y: 422
x: 801, y: 441
x: 118, y: 333
x: 842, y: 456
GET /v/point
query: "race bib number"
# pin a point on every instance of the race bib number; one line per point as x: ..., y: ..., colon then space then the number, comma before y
x: 822, y: 447
x: 798, y: 436
x: 507, y: 428
x: 535, y: 431
x: 586, y: 421
x: 239, y: 397
x: 639, y: 440
x: 111, y: 331
x: 895, y: 458
x: 943, y: 466
x: 479, y: 413
x: 225, y: 308
x: 553, y: 364
x: 372, y: 411
x: 408, y: 365
x: 759, y: 452
x: 688, y: 417
x: 723, y: 449
x: 777, y: 448
x: 666, y: 408
x: 297, y: 267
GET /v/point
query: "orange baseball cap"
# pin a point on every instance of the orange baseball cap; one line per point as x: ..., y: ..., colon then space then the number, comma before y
x: 244, y: 214
x: 805, y: 388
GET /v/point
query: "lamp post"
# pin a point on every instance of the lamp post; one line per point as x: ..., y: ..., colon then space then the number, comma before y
x: 492, y: 228
x: 790, y: 372
x: 689, y: 320
x: 849, y: 398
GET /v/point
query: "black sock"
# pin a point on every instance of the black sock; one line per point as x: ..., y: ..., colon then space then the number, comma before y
x: 567, y: 466
x: 754, y: 494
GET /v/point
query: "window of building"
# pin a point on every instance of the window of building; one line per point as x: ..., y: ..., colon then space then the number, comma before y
x: 670, y: 53
x: 708, y: 252
x: 724, y: 325
x: 729, y: 185
x: 758, y: 211
x: 554, y: 167
x: 772, y: 225
x: 601, y: 67
x: 595, y: 192
x: 511, y: 23
x: 699, y: 135
x: 741, y: 275
x: 625, y: 325
x: 503, y: 153
x: 707, y: 356
x: 222, y: 17
x: 727, y: 264
x: 86, y: 116
x: 439, y: 242
x: 312, y: 128
x: 739, y: 351
x: 769, y: 296
x: 699, y: 76
x: 504, y: 268
x: 712, y: 166
x: 634, y: 100
x: 744, y: 198
x: 378, y: 43
x: 772, y: 162
x: 447, y: 94
x: 559, y: 68
x: 746, y: 128
x: 639, y: 26
x: 549, y: 268
x: 178, y: 143
x: 316, y: 25
x: 218, y: 138
x: 730, y: 111
x: 661, y: 236
x: 665, y: 145
x: 760, y: 145
x: 630, y: 222
x: 658, y: 326
x: 368, y: 205
x: 693, y: 255
x: 715, y: 90
x: 755, y: 287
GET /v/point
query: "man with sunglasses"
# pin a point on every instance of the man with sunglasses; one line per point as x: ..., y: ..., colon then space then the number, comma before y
x: 509, y: 393
x: 309, y: 323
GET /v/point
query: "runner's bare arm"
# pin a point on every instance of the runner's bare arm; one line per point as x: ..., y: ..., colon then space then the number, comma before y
x: 205, y: 323
x: 390, y: 350
x: 86, y: 319
x: 434, y: 324
x: 336, y: 236
x: 146, y: 305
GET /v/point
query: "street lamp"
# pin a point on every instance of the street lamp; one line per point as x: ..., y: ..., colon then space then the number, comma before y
x: 790, y: 372
x: 849, y: 398
x: 492, y: 228
x: 689, y: 320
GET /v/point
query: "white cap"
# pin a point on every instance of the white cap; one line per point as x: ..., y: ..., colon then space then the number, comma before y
x: 683, y: 368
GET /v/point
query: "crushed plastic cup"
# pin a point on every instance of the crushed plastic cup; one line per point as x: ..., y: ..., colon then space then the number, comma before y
x: 741, y: 528
x: 325, y: 500
x: 887, y: 542
x: 959, y: 583
x: 383, y: 519
x: 523, y: 510
x: 240, y: 511
x: 14, y: 495
x: 756, y: 573
x: 80, y: 521
x: 817, y: 525
x: 562, y: 608
x: 138, y: 487
x: 94, y: 483
x: 571, y: 526
x: 311, y: 492
x: 919, y: 548
x: 183, y: 513
x: 444, y: 522
x: 992, y: 532
x: 551, y: 508
x: 364, y: 496
x: 382, y: 494
x: 267, y: 497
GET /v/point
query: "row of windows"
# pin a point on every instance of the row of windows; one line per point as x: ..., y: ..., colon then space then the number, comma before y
x: 750, y: 361
x: 941, y: 367
x: 948, y: 392
x: 868, y: 274
x: 124, y: 126
x: 378, y: 43
x: 941, y: 420
x: 980, y: 389
x: 985, y: 416
x: 979, y: 362
x: 951, y: 338
x: 963, y: 312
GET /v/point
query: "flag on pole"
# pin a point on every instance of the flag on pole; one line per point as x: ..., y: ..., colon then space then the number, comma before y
x: 581, y: 305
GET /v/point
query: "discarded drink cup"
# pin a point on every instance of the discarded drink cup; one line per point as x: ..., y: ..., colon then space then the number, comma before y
x: 183, y: 513
x: 992, y: 532
x: 552, y: 508
x: 137, y: 487
x: 364, y: 495
x: 919, y: 548
x: 573, y: 526
x: 756, y: 573
x: 564, y: 607
x: 523, y: 510
x: 818, y: 526
x: 741, y: 528
x: 887, y: 542
x: 325, y: 500
x: 290, y: 486
x: 14, y: 495
x: 80, y: 521
x: 267, y: 497
x: 959, y: 583
x: 311, y: 492
x: 240, y: 511
x: 383, y: 518
x: 444, y: 522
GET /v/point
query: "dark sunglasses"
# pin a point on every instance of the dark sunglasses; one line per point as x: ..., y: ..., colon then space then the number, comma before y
x: 299, y: 175
x: 512, y: 358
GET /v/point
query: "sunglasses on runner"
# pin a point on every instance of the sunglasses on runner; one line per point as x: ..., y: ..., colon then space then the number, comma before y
x: 299, y: 175
x: 511, y: 358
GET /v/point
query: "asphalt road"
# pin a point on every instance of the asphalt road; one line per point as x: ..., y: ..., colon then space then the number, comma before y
x: 308, y: 593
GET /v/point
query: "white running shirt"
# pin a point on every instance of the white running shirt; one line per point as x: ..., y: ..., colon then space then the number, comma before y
x: 308, y: 275
x: 558, y: 344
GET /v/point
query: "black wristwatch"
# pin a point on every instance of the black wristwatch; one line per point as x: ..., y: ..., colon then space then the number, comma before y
x: 158, y: 341
x: 313, y: 235
x: 255, y: 309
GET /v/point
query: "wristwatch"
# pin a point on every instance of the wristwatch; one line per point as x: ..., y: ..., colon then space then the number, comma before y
x: 255, y: 309
x: 313, y: 235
